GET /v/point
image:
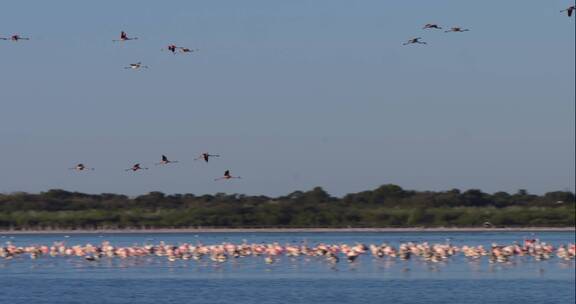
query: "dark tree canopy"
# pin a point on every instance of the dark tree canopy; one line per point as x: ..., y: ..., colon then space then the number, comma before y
x: 386, y: 206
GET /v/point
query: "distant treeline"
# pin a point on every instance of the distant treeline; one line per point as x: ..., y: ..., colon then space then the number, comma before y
x: 386, y: 206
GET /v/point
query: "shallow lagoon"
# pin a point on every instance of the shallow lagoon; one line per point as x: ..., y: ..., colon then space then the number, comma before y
x: 297, y: 280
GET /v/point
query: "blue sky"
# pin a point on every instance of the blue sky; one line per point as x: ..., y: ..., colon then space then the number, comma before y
x: 292, y: 94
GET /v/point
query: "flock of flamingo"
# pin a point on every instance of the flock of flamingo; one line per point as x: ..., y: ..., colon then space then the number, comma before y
x: 432, y: 26
x: 164, y: 161
x: 174, y: 49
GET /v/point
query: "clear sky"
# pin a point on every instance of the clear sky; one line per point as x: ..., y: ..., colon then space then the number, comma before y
x: 293, y: 94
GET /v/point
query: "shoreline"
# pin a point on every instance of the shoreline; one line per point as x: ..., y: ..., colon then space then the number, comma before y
x: 289, y: 230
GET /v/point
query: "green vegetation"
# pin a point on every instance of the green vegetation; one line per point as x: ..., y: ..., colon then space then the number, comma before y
x: 386, y: 206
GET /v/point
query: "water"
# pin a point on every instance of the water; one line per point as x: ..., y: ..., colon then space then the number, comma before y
x: 289, y: 280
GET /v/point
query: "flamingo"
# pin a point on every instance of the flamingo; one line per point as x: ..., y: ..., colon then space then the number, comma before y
x: 124, y: 37
x: 414, y: 40
x: 227, y: 176
x: 206, y: 156
x: 569, y: 10
x: 187, y: 50
x: 136, y: 167
x: 456, y: 30
x: 15, y: 38
x: 80, y: 167
x: 432, y: 26
x: 136, y: 66
x: 165, y: 161
x: 172, y: 48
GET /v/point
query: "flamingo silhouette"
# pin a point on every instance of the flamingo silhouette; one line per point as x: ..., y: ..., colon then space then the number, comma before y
x: 166, y: 161
x: 124, y: 37
x: 15, y: 38
x: 206, y: 156
x: 136, y: 66
x: 456, y: 30
x: 227, y: 176
x: 569, y: 10
x: 136, y: 167
x: 414, y: 41
x: 80, y: 167
x: 432, y: 26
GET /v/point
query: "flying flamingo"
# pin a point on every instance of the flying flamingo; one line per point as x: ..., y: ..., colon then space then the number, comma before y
x: 80, y: 167
x: 432, y: 26
x: 172, y: 48
x: 187, y: 50
x: 227, y: 176
x: 456, y: 30
x: 414, y: 40
x: 15, y: 38
x: 135, y: 168
x: 124, y: 37
x: 569, y: 10
x: 136, y: 66
x: 206, y: 156
x: 165, y: 161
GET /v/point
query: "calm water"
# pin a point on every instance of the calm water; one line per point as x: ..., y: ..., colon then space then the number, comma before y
x: 290, y: 280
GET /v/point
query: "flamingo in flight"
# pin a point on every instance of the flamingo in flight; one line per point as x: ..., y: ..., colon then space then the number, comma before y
x: 136, y: 66
x: 174, y: 49
x: 432, y: 26
x: 456, y: 30
x: 187, y: 50
x: 15, y: 38
x: 206, y: 156
x: 569, y: 10
x: 166, y: 161
x: 414, y: 41
x: 136, y: 167
x: 124, y: 37
x: 80, y: 167
x: 227, y: 176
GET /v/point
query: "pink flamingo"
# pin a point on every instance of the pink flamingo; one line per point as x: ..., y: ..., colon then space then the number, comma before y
x: 124, y: 37
x: 227, y: 176
x: 166, y: 161
x: 206, y: 156
x: 136, y: 167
